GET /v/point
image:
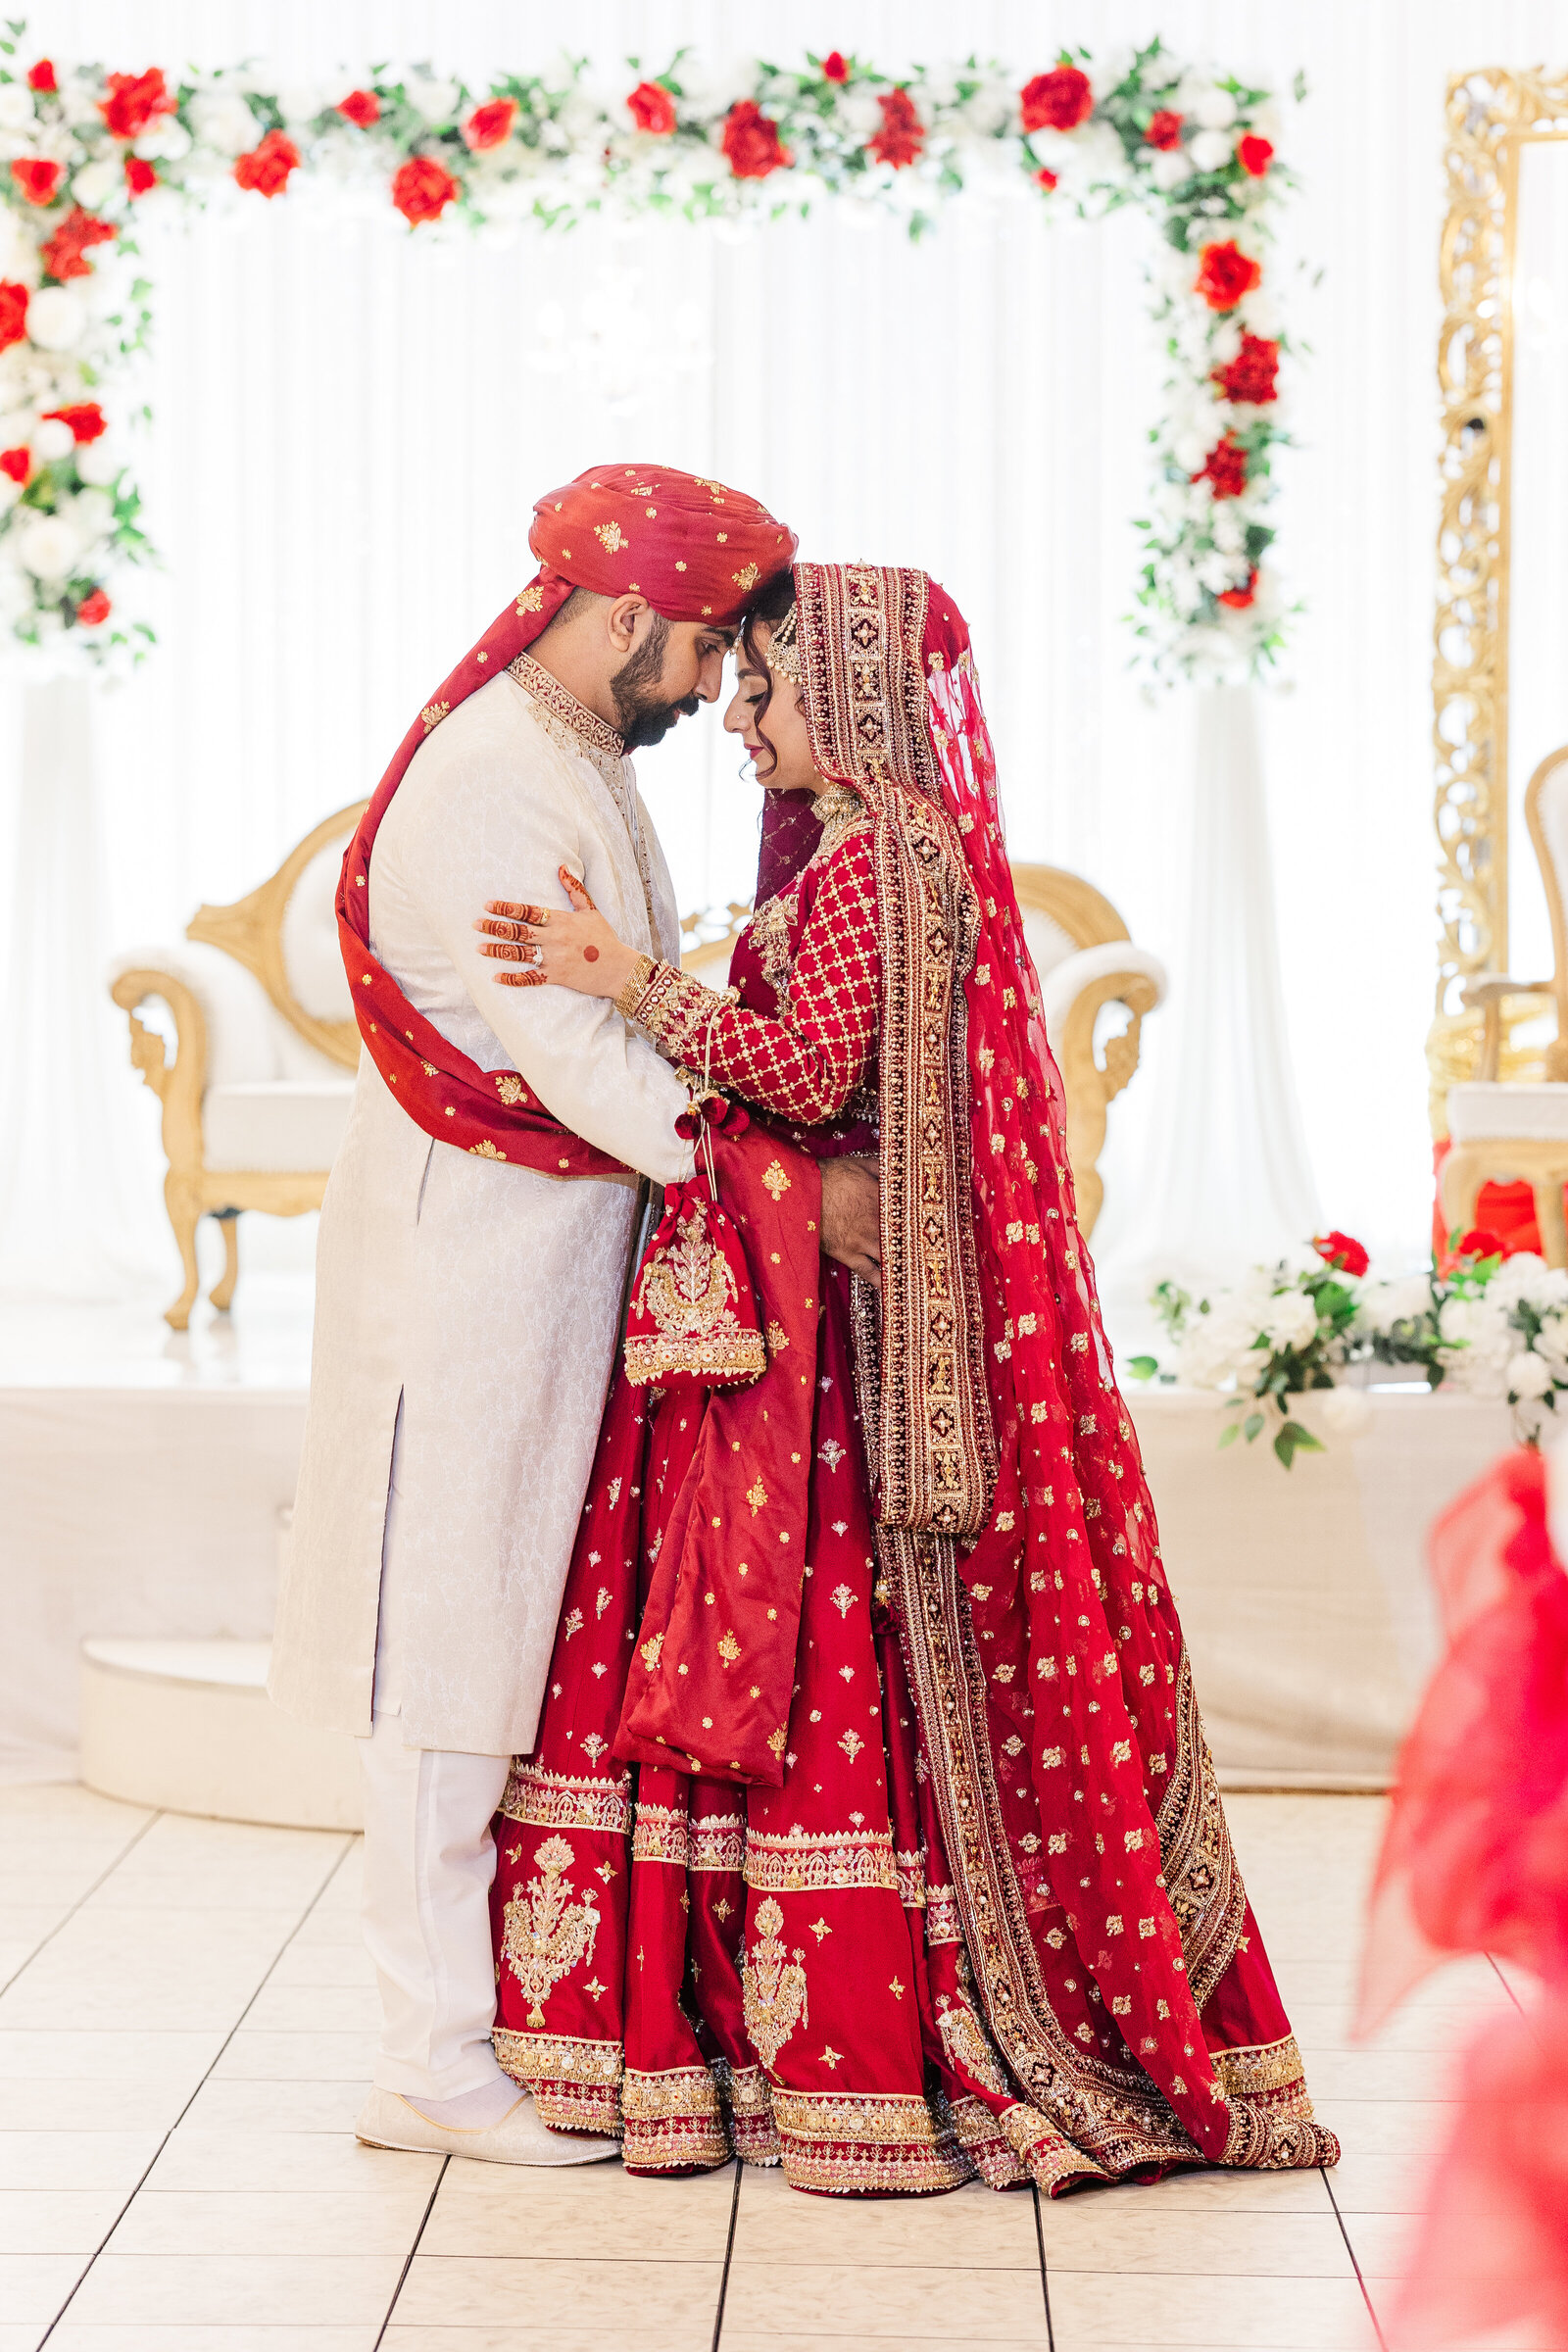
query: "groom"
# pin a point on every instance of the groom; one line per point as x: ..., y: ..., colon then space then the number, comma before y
x: 474, y: 1243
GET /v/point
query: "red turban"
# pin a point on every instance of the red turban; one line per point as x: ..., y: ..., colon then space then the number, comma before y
x: 696, y: 550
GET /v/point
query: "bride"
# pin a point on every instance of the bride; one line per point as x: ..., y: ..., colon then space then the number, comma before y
x: 922, y: 1871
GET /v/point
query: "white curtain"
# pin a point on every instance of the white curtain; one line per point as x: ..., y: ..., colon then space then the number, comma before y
x: 350, y: 426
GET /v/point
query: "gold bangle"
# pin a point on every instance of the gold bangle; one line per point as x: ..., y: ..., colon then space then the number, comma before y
x: 628, y: 998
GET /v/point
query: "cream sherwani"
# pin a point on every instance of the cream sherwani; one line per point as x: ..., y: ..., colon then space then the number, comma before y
x: 481, y: 1298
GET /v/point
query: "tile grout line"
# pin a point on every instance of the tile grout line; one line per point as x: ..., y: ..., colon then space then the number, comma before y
x: 408, y: 2260
x: 86, y: 1896
x: 1044, y: 2278
x: 730, y: 2248
x: 1366, y: 2296
x: 348, y: 1846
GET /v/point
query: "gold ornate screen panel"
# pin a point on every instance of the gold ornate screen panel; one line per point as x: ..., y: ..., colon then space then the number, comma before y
x: 1492, y: 115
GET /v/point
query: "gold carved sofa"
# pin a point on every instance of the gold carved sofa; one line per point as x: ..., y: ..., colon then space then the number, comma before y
x: 256, y: 1095
x: 1094, y: 986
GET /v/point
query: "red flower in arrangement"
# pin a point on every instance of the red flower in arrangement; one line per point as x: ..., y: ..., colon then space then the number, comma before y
x: 94, y: 609
x: 751, y: 143
x: 1255, y: 154
x: 423, y: 188
x: 1239, y: 598
x: 13, y: 312
x: 37, y: 178
x: 266, y: 168
x: 1479, y: 1242
x: 42, y: 78
x: 490, y: 125
x: 362, y: 106
x: 652, y: 108
x: 1250, y: 375
x: 139, y: 174
x: 1224, y: 470
x: 1044, y: 179
x: 1056, y: 101
x: 133, y: 100
x: 1345, y: 1255
x: 65, y: 255
x: 16, y: 463
x: 85, y: 419
x: 902, y: 133
x: 1164, y: 129
x: 1225, y: 274
x: 835, y: 67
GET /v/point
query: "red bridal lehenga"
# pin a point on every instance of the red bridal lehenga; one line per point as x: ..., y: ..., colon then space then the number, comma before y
x: 871, y: 1829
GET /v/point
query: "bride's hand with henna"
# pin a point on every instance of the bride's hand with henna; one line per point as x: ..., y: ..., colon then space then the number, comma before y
x: 575, y: 947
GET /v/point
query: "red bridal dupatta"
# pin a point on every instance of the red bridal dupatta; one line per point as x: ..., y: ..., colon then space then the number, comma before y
x: 1028, y: 1870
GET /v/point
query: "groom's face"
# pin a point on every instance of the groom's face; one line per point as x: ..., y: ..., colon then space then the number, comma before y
x: 672, y: 667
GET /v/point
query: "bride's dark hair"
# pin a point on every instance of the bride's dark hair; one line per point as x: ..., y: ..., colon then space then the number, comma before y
x: 774, y: 605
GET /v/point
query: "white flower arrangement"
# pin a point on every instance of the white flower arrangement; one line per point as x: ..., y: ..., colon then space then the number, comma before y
x: 1492, y: 1325
x: 85, y: 152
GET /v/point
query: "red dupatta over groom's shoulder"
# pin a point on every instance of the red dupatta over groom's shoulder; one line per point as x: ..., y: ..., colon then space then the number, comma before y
x: 696, y: 550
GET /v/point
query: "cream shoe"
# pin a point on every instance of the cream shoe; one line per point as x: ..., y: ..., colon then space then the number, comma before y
x: 387, y: 2120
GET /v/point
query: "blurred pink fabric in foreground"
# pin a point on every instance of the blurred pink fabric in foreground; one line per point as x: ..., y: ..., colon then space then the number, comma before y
x: 1476, y: 1860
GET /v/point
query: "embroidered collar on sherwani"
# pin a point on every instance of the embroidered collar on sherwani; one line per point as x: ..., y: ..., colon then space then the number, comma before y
x: 571, y: 725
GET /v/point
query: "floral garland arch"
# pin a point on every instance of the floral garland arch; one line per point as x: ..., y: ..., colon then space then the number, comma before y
x: 86, y: 155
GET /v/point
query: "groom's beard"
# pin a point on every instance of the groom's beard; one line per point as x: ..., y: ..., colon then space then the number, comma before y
x: 642, y: 716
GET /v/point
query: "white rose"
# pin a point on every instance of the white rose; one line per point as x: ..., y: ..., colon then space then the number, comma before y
x: 1169, y: 167
x: 1212, y: 109
x: 164, y: 140
x: 98, y: 462
x: 17, y: 110
x: 91, y: 513
x: 96, y: 183
x: 51, y: 439
x: 1528, y: 1378
x: 436, y: 101
x: 1210, y: 151
x: 300, y: 102
x: 47, y: 547
x: 223, y: 120
x: 79, y: 99
x: 1291, y: 1320
x: 1260, y: 313
x: 56, y: 319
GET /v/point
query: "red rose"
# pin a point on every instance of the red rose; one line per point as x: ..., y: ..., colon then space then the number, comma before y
x: 423, y: 188
x: 266, y: 168
x: 1056, y: 101
x: 132, y: 101
x: 1044, y: 179
x: 13, y: 312
x: 834, y: 66
x: 37, y: 178
x: 1479, y: 1242
x: 652, y: 108
x: 65, y: 254
x: 1344, y: 1254
x: 362, y: 106
x: 1255, y: 154
x: 1224, y: 469
x: 1239, y: 598
x: 1164, y: 129
x: 85, y: 419
x: 139, y: 174
x: 751, y: 143
x: 1250, y: 375
x: 490, y: 125
x: 94, y: 609
x: 16, y: 463
x: 42, y: 78
x: 902, y: 133
x: 1225, y: 274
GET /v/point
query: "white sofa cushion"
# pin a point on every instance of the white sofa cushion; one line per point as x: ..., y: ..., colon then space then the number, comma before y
x: 1482, y: 1111
x: 1063, y: 983
x: 278, y: 1125
x: 312, y: 955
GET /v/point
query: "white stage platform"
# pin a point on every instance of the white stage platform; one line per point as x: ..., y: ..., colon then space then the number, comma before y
x: 146, y: 1475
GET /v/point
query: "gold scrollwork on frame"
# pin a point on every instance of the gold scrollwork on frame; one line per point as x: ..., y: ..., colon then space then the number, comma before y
x: 1492, y: 115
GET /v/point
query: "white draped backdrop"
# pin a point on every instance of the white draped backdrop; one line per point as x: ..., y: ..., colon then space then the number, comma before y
x: 350, y: 426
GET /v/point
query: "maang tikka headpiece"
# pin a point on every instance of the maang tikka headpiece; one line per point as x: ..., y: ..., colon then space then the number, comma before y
x: 783, y: 655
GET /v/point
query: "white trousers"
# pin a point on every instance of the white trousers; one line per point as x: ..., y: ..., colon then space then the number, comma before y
x: 429, y: 1861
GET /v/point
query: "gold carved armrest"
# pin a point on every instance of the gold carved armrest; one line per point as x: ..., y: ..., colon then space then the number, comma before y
x: 1490, y: 991
x: 179, y: 1084
x: 1073, y: 995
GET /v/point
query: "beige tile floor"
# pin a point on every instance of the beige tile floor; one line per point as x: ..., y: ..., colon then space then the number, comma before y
x: 186, y: 2028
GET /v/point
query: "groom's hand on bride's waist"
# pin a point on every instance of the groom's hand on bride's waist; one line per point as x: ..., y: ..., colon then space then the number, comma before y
x: 851, y: 1217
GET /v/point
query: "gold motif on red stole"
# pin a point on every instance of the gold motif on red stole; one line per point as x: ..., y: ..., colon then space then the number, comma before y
x: 546, y: 1934
x: 772, y: 1986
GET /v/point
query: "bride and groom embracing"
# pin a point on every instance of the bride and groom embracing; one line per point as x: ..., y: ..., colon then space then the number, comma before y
x: 778, y: 1737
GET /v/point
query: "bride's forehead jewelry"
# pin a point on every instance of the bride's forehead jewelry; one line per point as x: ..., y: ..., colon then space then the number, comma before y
x: 783, y: 655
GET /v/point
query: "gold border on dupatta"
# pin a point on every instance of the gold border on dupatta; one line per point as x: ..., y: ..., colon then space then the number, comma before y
x: 576, y: 2083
